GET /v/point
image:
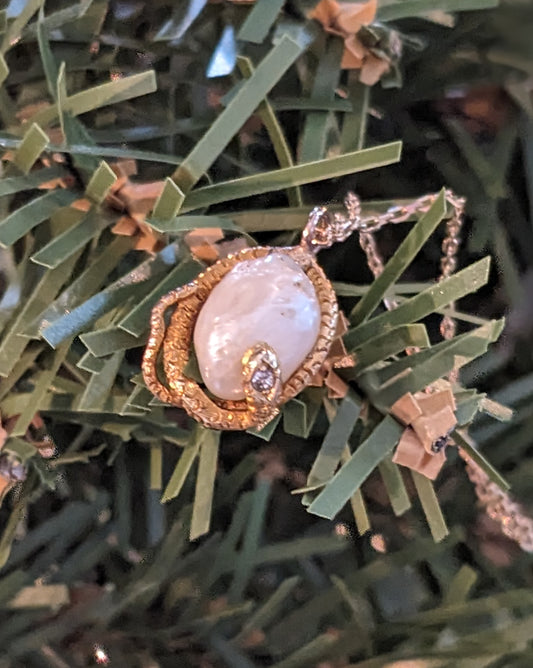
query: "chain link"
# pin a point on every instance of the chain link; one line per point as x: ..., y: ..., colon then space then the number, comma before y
x: 450, y: 246
x: 499, y: 505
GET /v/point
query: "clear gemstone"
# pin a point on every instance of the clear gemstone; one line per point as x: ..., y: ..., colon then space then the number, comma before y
x: 263, y: 379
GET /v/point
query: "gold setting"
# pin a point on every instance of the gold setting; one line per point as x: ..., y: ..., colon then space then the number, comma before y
x: 262, y: 381
x: 172, y: 345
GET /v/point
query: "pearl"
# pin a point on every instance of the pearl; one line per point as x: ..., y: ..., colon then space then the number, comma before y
x: 270, y: 300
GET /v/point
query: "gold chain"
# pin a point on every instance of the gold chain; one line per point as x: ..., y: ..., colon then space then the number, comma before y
x: 499, y: 505
x: 400, y: 214
x: 450, y: 246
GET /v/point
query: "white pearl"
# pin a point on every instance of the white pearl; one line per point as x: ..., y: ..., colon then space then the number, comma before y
x: 269, y: 300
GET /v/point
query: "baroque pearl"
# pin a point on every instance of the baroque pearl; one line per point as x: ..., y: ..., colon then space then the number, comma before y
x: 269, y: 299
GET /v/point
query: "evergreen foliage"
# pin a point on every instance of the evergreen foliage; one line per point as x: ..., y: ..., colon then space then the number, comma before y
x: 160, y: 543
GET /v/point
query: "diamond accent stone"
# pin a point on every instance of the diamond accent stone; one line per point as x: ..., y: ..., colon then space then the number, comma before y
x: 263, y: 379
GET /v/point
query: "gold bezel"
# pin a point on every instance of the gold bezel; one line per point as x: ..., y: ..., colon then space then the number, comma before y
x: 175, y: 343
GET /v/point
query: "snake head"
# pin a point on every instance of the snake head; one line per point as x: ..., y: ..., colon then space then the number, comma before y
x: 262, y: 381
x: 324, y: 229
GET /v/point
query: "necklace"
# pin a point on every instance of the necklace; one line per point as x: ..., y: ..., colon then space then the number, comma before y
x: 260, y: 325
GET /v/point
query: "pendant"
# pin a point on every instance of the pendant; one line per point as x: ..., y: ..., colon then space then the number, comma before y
x: 260, y: 323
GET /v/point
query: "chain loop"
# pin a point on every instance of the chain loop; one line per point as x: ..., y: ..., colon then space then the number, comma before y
x: 450, y: 246
x: 499, y: 505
